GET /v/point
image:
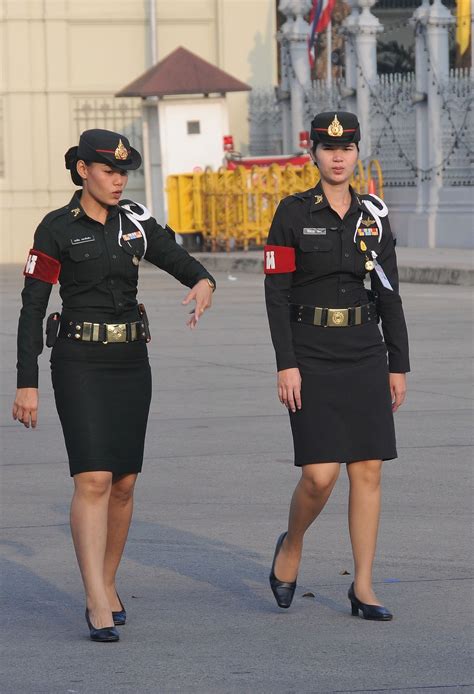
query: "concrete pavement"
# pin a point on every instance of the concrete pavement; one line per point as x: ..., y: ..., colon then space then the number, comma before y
x: 420, y: 265
x: 210, y: 503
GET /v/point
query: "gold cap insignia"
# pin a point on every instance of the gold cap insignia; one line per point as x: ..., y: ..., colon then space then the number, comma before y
x: 76, y: 211
x: 121, y: 152
x: 335, y: 129
x: 318, y: 199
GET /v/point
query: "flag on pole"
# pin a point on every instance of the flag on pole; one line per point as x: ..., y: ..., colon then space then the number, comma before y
x: 319, y: 19
x: 463, y: 25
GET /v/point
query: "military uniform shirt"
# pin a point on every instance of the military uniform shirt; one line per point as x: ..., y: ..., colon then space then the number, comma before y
x: 330, y: 271
x: 98, y: 275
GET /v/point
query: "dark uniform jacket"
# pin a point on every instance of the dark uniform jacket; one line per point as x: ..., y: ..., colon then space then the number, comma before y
x: 330, y: 271
x: 97, y: 274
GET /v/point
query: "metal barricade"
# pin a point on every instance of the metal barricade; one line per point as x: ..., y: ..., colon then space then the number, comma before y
x: 234, y: 209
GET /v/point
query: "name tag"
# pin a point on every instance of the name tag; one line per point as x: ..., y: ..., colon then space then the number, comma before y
x: 310, y: 231
x: 132, y: 235
x: 82, y: 239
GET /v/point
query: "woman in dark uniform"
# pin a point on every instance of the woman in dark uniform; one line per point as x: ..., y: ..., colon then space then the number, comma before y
x: 100, y: 370
x: 333, y: 374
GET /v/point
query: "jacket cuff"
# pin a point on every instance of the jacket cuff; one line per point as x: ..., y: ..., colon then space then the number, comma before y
x: 286, y: 360
x: 206, y: 276
x: 398, y: 365
x: 27, y: 379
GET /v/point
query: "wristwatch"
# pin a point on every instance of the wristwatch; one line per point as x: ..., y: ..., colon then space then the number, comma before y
x: 211, y: 284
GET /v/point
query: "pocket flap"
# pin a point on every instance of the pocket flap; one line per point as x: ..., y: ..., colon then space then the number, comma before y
x: 86, y: 251
x: 310, y: 244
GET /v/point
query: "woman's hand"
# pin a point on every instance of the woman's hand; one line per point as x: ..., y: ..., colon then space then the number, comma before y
x: 25, y: 407
x: 201, y: 293
x: 398, y: 389
x: 289, y: 388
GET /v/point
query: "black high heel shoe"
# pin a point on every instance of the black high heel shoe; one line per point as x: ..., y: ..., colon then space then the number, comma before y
x: 375, y: 612
x: 120, y: 616
x: 282, y: 590
x: 104, y: 635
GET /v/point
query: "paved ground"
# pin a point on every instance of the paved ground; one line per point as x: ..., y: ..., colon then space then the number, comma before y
x: 419, y: 265
x: 210, y: 503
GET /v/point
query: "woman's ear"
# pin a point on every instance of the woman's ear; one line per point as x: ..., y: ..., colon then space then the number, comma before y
x: 81, y: 168
x: 312, y: 154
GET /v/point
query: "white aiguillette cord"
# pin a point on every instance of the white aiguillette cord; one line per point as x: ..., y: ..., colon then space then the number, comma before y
x: 377, y: 213
x: 135, y: 218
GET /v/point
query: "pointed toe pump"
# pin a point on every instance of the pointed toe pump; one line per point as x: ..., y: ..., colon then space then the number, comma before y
x: 119, y: 616
x: 104, y: 635
x: 282, y: 590
x: 374, y: 612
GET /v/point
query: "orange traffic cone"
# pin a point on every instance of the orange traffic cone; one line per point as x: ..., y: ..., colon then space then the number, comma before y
x: 371, y: 187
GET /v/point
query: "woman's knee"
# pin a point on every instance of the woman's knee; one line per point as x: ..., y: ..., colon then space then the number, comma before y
x: 123, y: 487
x: 367, y: 472
x: 93, y: 484
x: 320, y: 478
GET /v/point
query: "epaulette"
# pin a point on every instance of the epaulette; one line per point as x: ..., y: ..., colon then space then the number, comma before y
x: 55, y: 213
x: 304, y: 195
x: 374, y: 199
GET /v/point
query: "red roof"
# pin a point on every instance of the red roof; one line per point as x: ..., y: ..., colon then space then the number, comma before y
x: 183, y: 72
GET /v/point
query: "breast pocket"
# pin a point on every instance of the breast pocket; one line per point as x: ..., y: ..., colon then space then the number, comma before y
x: 133, y: 252
x: 87, y: 262
x: 361, y: 258
x: 315, y: 254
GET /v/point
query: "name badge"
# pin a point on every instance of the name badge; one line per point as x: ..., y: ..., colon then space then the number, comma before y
x: 82, y: 239
x: 310, y: 231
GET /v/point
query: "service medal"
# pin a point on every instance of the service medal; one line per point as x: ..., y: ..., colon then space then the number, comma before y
x: 369, y: 265
x: 135, y: 260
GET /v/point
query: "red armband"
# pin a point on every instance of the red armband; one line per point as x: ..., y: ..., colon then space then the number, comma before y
x: 42, y: 267
x: 279, y: 259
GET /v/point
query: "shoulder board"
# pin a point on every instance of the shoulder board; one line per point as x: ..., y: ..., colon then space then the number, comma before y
x: 374, y: 199
x: 305, y: 195
x: 54, y: 214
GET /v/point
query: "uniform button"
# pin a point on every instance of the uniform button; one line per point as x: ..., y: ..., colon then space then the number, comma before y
x: 86, y: 255
x: 343, y: 291
x: 112, y: 281
x: 120, y: 303
x: 106, y: 232
x: 114, y: 257
x: 346, y: 255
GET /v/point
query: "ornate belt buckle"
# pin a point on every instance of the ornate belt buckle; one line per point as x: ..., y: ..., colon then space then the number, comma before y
x: 116, y: 332
x: 338, y: 317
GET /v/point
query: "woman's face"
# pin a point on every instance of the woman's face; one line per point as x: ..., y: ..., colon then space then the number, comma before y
x: 336, y: 164
x: 103, y: 182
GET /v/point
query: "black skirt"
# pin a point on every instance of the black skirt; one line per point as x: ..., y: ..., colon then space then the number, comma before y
x: 103, y: 395
x: 346, y: 410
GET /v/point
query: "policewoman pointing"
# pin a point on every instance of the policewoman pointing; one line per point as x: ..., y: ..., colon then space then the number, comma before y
x: 340, y: 379
x: 100, y: 371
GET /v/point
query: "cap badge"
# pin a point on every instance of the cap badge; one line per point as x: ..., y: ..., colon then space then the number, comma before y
x: 335, y: 129
x: 318, y: 199
x: 121, y: 152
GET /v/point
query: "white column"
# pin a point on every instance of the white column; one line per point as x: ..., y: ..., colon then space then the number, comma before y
x: 366, y: 30
x: 284, y: 90
x: 419, y: 20
x: 439, y: 19
x: 300, y: 80
x: 350, y: 60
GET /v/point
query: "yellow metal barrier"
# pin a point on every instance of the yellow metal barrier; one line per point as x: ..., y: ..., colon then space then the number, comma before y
x: 235, y: 208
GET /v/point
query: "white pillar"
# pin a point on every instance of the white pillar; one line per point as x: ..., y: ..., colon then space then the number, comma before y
x: 439, y: 19
x: 419, y: 21
x: 350, y: 61
x: 366, y: 29
x: 300, y: 80
x: 284, y: 91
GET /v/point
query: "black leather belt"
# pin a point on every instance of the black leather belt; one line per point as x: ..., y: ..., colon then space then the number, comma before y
x: 103, y: 332
x: 333, y: 317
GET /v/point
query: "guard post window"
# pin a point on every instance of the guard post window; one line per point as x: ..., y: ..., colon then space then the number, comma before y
x: 194, y: 127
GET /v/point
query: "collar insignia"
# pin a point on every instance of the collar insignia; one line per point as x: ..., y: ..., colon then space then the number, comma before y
x: 367, y: 222
x: 76, y: 211
x: 121, y: 152
x: 335, y: 129
x: 318, y: 199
